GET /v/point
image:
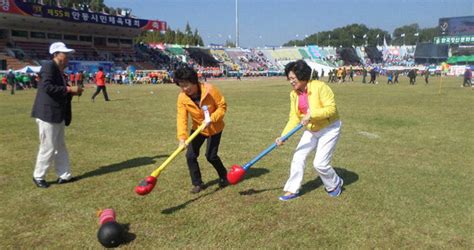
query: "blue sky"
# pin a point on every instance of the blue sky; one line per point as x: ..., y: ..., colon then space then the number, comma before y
x: 274, y: 22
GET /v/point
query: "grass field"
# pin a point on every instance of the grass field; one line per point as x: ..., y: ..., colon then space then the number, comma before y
x: 405, y: 153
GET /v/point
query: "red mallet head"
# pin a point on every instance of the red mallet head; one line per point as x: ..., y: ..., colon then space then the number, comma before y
x: 235, y: 174
x: 106, y: 215
x: 146, y: 185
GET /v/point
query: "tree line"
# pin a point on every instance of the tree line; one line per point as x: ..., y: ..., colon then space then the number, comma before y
x: 361, y: 35
x: 186, y: 37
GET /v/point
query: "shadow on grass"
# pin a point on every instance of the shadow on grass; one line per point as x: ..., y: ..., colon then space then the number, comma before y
x: 131, y: 163
x: 127, y: 236
x: 349, y: 177
x: 181, y: 206
x: 254, y: 191
x: 254, y: 173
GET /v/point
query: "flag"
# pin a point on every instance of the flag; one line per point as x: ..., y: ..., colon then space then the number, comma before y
x: 353, y: 37
x: 365, y: 35
x: 329, y: 36
x: 385, y: 51
x: 416, y: 34
x: 402, y: 35
x: 378, y: 35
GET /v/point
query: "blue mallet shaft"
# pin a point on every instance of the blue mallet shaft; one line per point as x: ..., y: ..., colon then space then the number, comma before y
x: 269, y: 149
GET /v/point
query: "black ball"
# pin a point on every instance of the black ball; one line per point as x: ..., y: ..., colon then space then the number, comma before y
x: 110, y: 234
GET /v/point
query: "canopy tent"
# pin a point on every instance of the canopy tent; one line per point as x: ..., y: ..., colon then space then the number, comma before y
x: 374, y: 54
x: 461, y: 59
x: 29, y: 69
x: 349, y: 56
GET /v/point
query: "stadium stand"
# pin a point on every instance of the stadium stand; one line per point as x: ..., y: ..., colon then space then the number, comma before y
x: 431, y: 53
x: 202, y: 57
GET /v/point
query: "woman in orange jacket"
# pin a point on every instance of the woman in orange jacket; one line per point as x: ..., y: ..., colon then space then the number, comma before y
x: 194, y: 95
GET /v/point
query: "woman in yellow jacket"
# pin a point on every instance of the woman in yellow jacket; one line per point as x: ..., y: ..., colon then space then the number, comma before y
x: 194, y: 95
x: 313, y: 105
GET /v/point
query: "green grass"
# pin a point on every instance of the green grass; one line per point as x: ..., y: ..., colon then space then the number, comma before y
x: 406, y: 154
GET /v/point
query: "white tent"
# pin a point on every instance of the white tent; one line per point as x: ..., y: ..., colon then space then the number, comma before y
x: 319, y: 67
x: 29, y: 69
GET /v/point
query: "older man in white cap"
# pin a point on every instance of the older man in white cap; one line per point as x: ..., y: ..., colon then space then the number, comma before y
x: 52, y: 110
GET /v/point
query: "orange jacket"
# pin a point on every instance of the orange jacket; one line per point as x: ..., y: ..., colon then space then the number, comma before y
x: 217, y: 107
x: 100, y: 78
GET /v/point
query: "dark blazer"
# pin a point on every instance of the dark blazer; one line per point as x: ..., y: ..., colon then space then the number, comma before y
x: 52, y: 103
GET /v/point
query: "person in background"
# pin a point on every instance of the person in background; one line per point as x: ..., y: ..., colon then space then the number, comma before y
x: 390, y: 77
x: 344, y: 74
x: 80, y: 79
x: 364, y: 75
x: 412, y: 76
x: 72, y: 79
x: 100, y: 82
x: 11, y: 79
x: 427, y: 76
x: 4, y: 83
x: 467, y: 77
x: 351, y: 74
x: 396, y: 76
x: 373, y: 76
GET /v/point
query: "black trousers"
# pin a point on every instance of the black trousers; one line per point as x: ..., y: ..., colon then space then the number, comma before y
x: 104, y: 91
x: 13, y: 87
x: 192, y: 155
x: 372, y: 80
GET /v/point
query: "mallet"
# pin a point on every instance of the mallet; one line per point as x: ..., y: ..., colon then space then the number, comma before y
x: 147, y: 185
x: 237, y: 172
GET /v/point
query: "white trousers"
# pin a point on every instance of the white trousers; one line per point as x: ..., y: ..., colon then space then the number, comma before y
x: 324, y: 141
x: 52, y: 149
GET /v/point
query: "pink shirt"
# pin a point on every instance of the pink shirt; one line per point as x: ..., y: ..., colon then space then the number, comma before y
x: 303, y: 104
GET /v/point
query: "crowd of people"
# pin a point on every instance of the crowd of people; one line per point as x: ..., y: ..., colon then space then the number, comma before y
x: 18, y: 81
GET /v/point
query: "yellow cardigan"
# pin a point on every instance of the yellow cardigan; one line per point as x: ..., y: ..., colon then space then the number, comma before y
x: 216, y: 105
x: 322, y: 107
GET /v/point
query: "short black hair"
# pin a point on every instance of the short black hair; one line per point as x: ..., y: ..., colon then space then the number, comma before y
x: 101, y: 68
x: 300, y: 68
x: 185, y: 73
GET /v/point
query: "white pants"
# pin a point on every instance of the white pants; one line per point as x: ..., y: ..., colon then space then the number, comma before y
x: 325, y: 142
x: 52, y: 148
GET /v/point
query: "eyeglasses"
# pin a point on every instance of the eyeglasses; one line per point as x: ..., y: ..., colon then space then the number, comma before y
x: 293, y: 80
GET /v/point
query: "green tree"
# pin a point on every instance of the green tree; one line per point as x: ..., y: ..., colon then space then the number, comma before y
x: 350, y: 35
x: 408, y: 31
x: 169, y: 35
x: 427, y: 35
x: 197, y: 39
x: 179, y: 37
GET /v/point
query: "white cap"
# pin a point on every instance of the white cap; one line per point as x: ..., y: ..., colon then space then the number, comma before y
x: 59, y: 47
